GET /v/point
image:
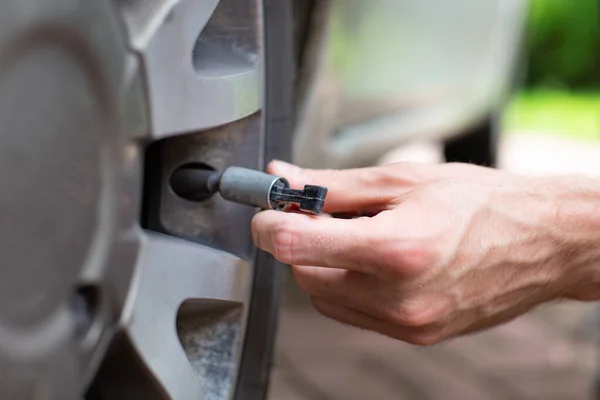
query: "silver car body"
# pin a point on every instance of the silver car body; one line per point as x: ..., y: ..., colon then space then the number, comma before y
x: 380, y: 73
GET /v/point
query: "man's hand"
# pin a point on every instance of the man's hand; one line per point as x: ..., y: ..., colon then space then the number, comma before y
x: 451, y: 249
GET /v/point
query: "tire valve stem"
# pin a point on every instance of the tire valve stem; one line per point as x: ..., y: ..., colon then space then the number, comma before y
x: 247, y: 186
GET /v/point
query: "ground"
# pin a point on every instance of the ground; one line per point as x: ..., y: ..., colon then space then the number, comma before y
x: 547, y: 354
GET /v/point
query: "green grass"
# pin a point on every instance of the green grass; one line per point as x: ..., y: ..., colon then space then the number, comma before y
x: 558, y: 113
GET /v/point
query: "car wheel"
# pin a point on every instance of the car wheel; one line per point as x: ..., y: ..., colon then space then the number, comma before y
x: 112, y: 286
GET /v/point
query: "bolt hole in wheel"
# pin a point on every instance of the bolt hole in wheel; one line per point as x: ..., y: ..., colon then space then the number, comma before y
x: 194, y: 181
x: 84, y: 304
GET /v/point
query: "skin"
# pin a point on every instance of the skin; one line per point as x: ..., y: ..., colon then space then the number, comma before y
x: 448, y: 249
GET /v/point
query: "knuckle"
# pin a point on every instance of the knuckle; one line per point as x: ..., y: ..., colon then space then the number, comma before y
x: 396, y: 175
x: 410, y: 257
x: 417, y: 313
x: 284, y: 240
x: 425, y: 339
x: 334, y: 174
x: 408, y: 173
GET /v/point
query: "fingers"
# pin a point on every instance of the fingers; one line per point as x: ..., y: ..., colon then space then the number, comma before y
x: 307, y: 240
x: 379, y: 297
x: 347, y: 190
x: 362, y: 292
x: 356, y: 290
x: 346, y: 315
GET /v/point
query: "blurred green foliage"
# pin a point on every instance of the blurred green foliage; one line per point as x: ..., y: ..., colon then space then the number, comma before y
x: 563, y: 43
x: 571, y: 115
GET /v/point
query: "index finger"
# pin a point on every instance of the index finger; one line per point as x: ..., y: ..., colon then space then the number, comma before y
x: 347, y: 190
x: 308, y: 240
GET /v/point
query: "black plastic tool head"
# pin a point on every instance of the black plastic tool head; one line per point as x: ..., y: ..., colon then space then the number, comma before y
x: 311, y: 199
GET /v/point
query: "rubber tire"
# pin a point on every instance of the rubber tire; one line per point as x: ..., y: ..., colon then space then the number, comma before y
x: 269, y: 275
x: 477, y: 146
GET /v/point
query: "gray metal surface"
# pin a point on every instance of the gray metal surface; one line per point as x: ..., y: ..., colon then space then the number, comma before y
x: 186, y: 312
x: 171, y: 272
x: 380, y: 73
x: 216, y: 222
x: 84, y: 87
x: 69, y: 204
x: 201, y: 58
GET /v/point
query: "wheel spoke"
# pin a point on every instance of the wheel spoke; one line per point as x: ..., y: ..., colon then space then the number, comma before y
x: 172, y: 271
x: 199, y: 82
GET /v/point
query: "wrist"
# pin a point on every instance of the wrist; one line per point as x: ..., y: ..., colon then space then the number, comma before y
x: 574, y: 221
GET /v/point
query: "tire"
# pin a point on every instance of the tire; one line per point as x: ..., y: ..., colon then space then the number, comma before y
x: 270, y: 275
x: 477, y: 146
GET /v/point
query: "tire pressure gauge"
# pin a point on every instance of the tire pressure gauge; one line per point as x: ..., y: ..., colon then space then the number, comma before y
x: 246, y: 186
